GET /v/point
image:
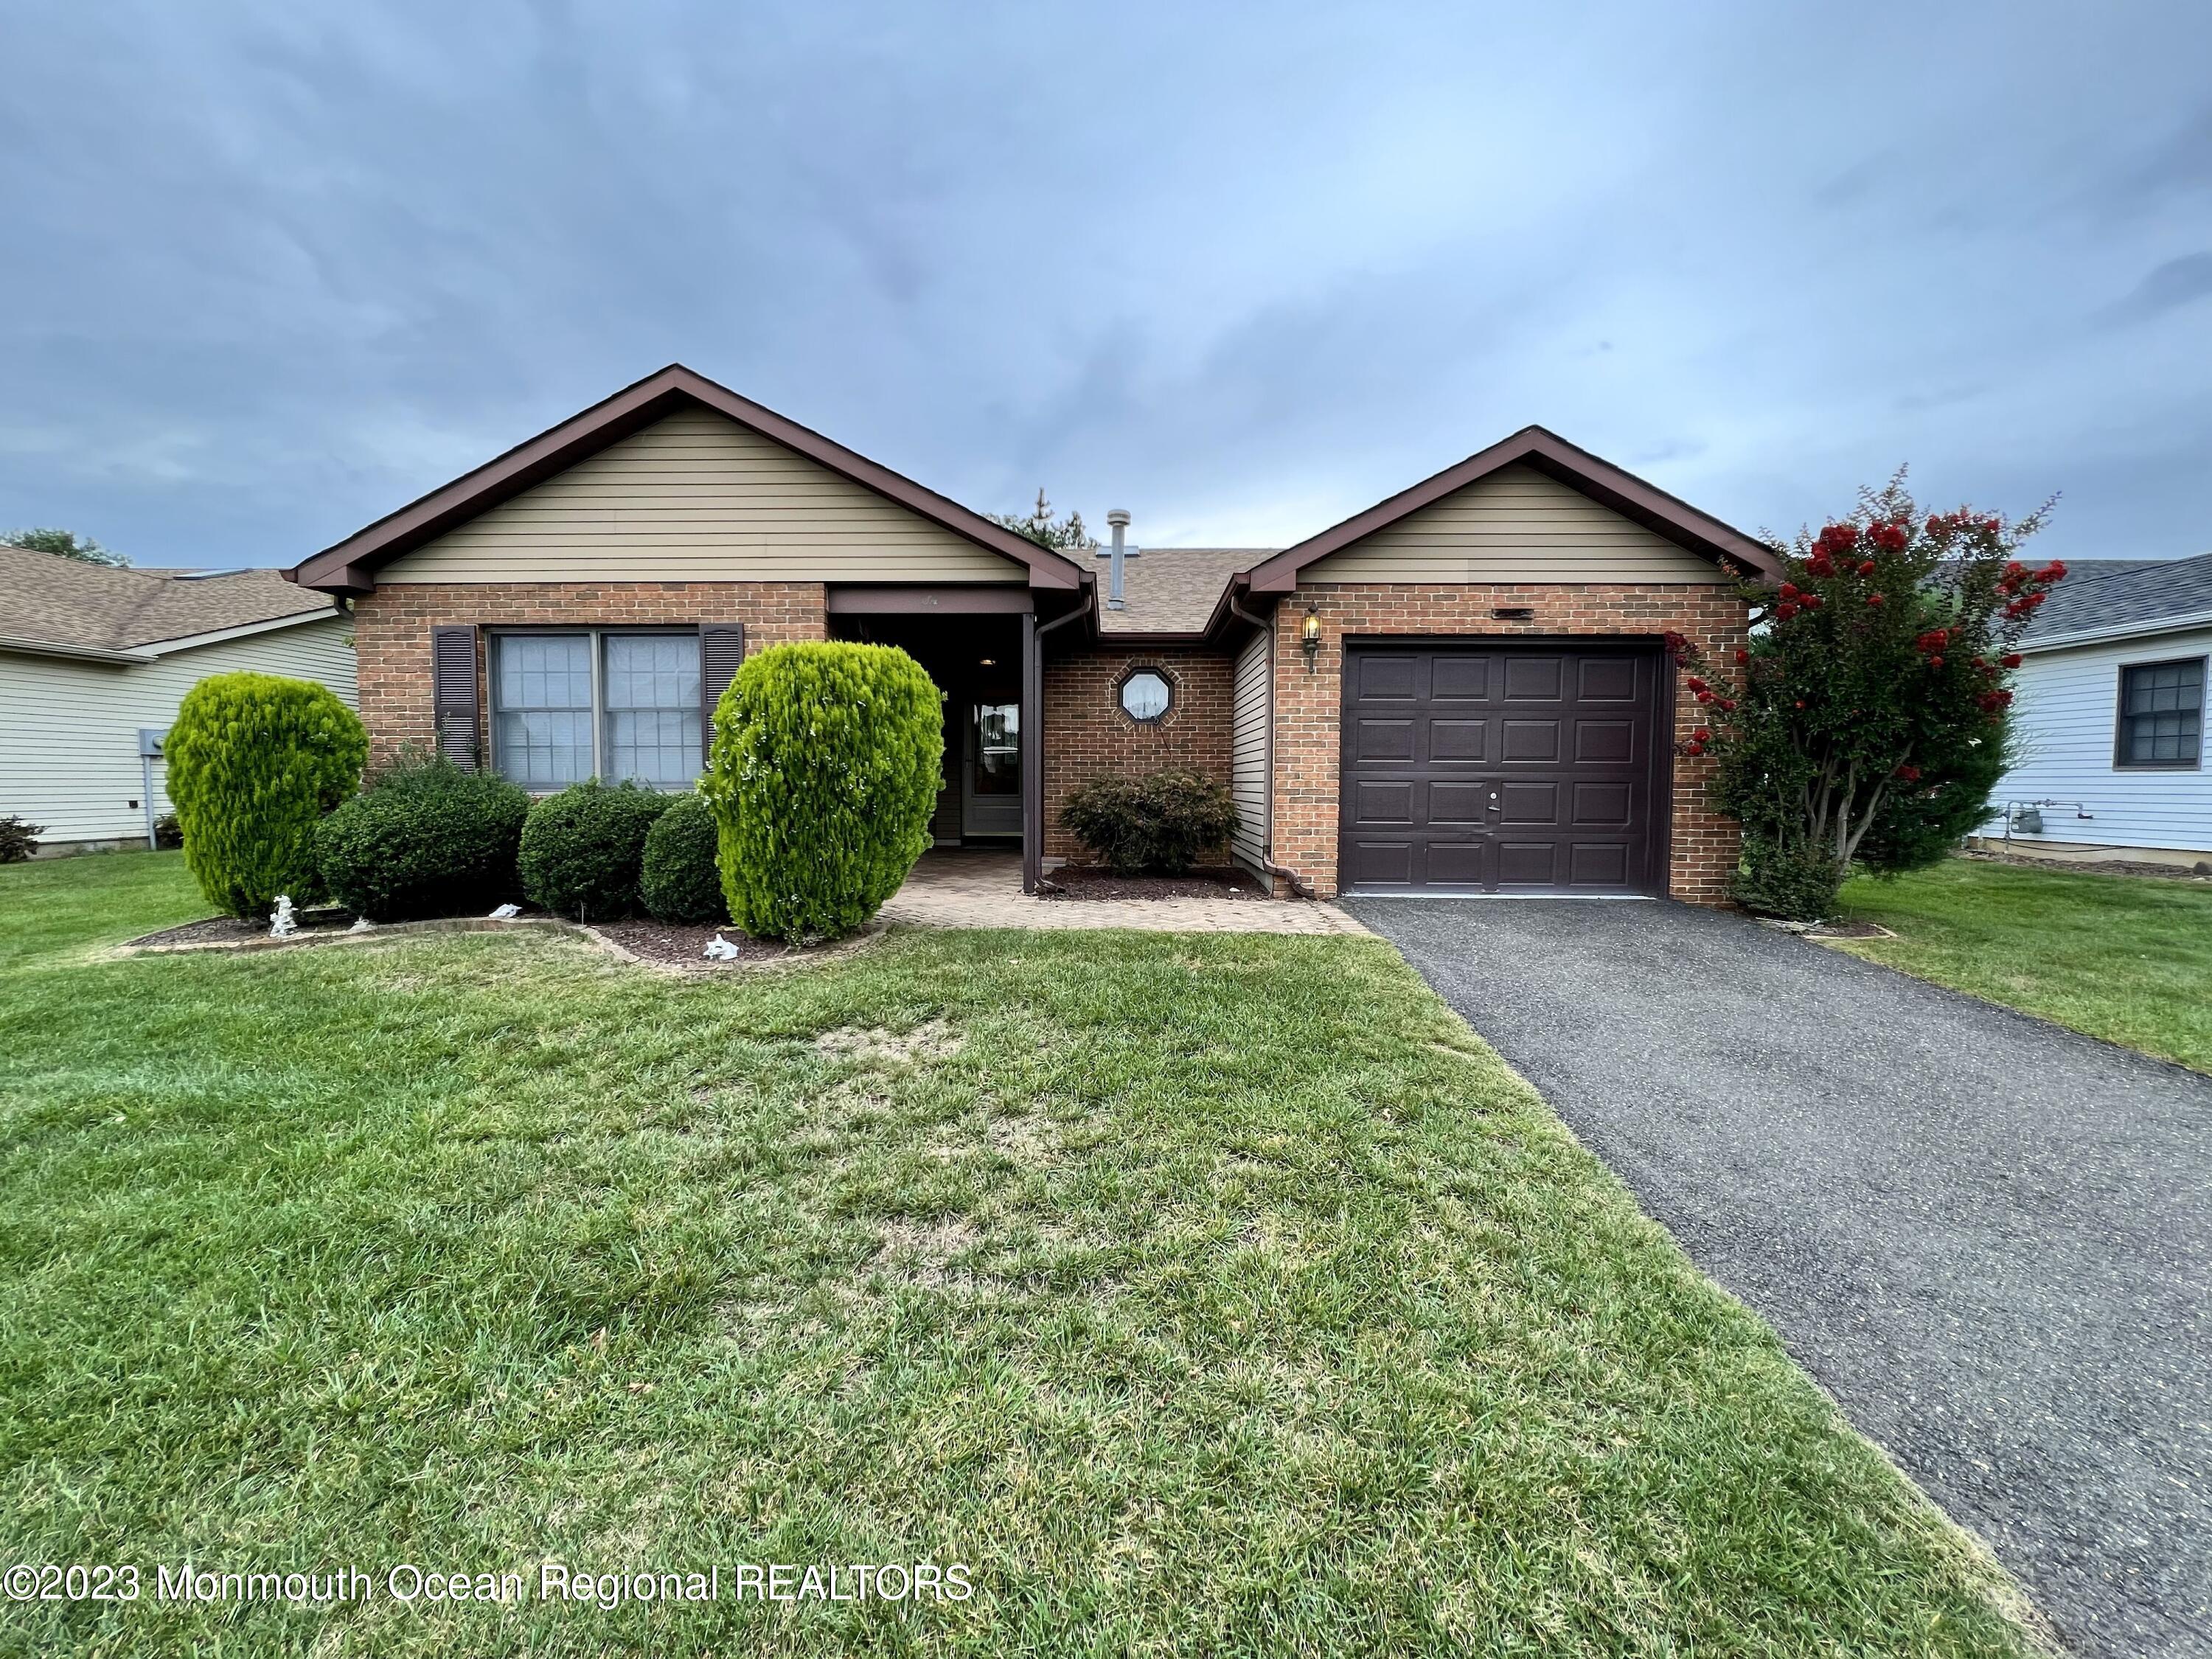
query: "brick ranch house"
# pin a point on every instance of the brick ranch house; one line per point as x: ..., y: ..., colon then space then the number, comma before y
x: 1460, y: 690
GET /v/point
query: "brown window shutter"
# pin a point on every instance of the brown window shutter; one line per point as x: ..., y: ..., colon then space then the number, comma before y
x: 453, y: 694
x: 721, y: 648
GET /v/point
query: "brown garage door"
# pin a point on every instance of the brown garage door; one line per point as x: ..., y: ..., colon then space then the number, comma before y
x: 1496, y: 768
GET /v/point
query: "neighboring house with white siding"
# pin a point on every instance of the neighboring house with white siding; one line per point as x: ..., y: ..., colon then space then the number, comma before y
x: 93, y: 655
x: 2110, y: 715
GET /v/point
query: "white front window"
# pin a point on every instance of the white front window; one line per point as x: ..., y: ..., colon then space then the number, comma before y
x: 567, y: 706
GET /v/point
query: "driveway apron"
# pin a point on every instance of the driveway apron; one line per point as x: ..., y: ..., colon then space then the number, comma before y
x: 1991, y: 1239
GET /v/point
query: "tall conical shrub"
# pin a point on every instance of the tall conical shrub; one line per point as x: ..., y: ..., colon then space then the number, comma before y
x: 254, y: 761
x: 824, y: 769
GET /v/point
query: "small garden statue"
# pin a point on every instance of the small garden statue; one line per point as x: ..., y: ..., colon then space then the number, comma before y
x: 282, y: 922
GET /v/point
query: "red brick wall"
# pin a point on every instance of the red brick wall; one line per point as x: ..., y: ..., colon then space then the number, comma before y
x: 1086, y: 735
x: 392, y: 630
x: 1308, y: 707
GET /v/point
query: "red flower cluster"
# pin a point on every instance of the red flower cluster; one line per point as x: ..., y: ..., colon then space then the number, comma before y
x: 1910, y: 773
x: 1990, y: 702
x: 1933, y: 640
x: 1678, y: 645
x: 1742, y: 657
x: 2010, y: 659
x: 1793, y: 599
x: 1698, y: 740
x: 2028, y: 588
x: 1875, y: 598
x: 1889, y: 538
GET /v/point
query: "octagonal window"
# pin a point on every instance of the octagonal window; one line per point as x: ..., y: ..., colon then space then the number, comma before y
x: 1145, y: 695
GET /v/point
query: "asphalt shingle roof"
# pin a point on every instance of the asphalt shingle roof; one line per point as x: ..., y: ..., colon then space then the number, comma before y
x: 1171, y: 590
x: 56, y: 601
x: 2135, y: 593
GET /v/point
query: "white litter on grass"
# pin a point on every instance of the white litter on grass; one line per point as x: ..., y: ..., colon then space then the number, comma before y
x: 720, y: 950
x: 281, y: 922
x: 506, y: 913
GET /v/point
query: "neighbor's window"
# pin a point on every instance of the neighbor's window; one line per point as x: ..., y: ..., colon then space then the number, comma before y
x: 1145, y: 695
x: 2161, y: 714
x: 555, y: 722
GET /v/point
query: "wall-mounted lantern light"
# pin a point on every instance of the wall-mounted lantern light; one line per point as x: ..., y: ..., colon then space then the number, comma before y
x: 1309, y: 636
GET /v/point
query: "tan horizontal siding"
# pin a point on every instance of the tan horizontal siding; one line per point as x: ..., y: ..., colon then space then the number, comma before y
x: 1516, y: 525
x: 697, y: 497
x: 1250, y: 728
x: 69, y: 731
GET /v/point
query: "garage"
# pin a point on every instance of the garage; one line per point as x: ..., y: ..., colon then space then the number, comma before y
x: 1503, y: 766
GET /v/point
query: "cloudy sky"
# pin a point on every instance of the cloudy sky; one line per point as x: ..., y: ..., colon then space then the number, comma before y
x: 272, y: 269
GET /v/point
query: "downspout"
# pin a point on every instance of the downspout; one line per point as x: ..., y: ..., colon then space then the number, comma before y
x: 1033, y: 858
x: 1299, y: 885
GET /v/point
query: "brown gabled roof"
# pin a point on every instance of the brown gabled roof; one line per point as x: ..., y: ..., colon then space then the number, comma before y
x: 1601, y: 480
x: 48, y: 600
x: 350, y: 566
x: 1171, y: 590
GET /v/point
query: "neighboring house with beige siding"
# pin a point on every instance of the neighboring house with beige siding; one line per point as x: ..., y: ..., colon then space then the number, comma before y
x: 1463, y: 690
x: 92, y: 656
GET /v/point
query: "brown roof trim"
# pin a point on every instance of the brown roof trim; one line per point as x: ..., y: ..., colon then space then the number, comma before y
x: 350, y: 566
x: 1601, y: 480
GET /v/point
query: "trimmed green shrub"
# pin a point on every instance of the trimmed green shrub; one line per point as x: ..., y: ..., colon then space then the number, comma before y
x: 1165, y: 821
x: 426, y: 839
x: 582, y: 849
x: 19, y: 839
x: 824, y: 773
x: 679, y: 881
x: 254, y: 761
x: 1796, y: 882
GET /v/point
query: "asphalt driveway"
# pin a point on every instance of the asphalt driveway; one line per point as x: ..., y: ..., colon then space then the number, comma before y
x: 1991, y: 1239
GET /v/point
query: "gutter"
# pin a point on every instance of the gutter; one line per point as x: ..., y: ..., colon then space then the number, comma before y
x: 30, y: 647
x: 2124, y: 631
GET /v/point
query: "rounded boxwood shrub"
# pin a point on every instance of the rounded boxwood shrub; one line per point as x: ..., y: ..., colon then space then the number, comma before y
x: 254, y: 761
x: 1164, y: 822
x: 582, y: 849
x: 679, y: 881
x: 426, y: 839
x: 824, y: 773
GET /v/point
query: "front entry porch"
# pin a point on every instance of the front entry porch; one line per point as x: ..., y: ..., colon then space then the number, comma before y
x: 981, y: 648
x: 967, y: 887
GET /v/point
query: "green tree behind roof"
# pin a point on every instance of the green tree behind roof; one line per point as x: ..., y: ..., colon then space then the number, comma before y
x: 1062, y: 534
x: 66, y: 544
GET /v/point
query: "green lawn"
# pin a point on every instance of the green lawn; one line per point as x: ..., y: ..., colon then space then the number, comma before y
x: 2122, y: 958
x: 1206, y: 1295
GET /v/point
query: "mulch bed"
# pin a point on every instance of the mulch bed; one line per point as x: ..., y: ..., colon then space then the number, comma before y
x: 1104, y: 885
x: 2102, y: 867
x: 686, y: 947
x: 230, y: 930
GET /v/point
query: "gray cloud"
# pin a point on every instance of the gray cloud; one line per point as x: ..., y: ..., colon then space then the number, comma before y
x: 2176, y: 283
x: 273, y: 270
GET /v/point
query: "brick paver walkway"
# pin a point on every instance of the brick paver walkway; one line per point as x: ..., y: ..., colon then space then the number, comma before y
x: 984, y: 889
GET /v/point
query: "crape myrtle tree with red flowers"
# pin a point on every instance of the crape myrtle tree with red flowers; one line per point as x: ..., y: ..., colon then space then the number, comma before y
x: 1867, y: 722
